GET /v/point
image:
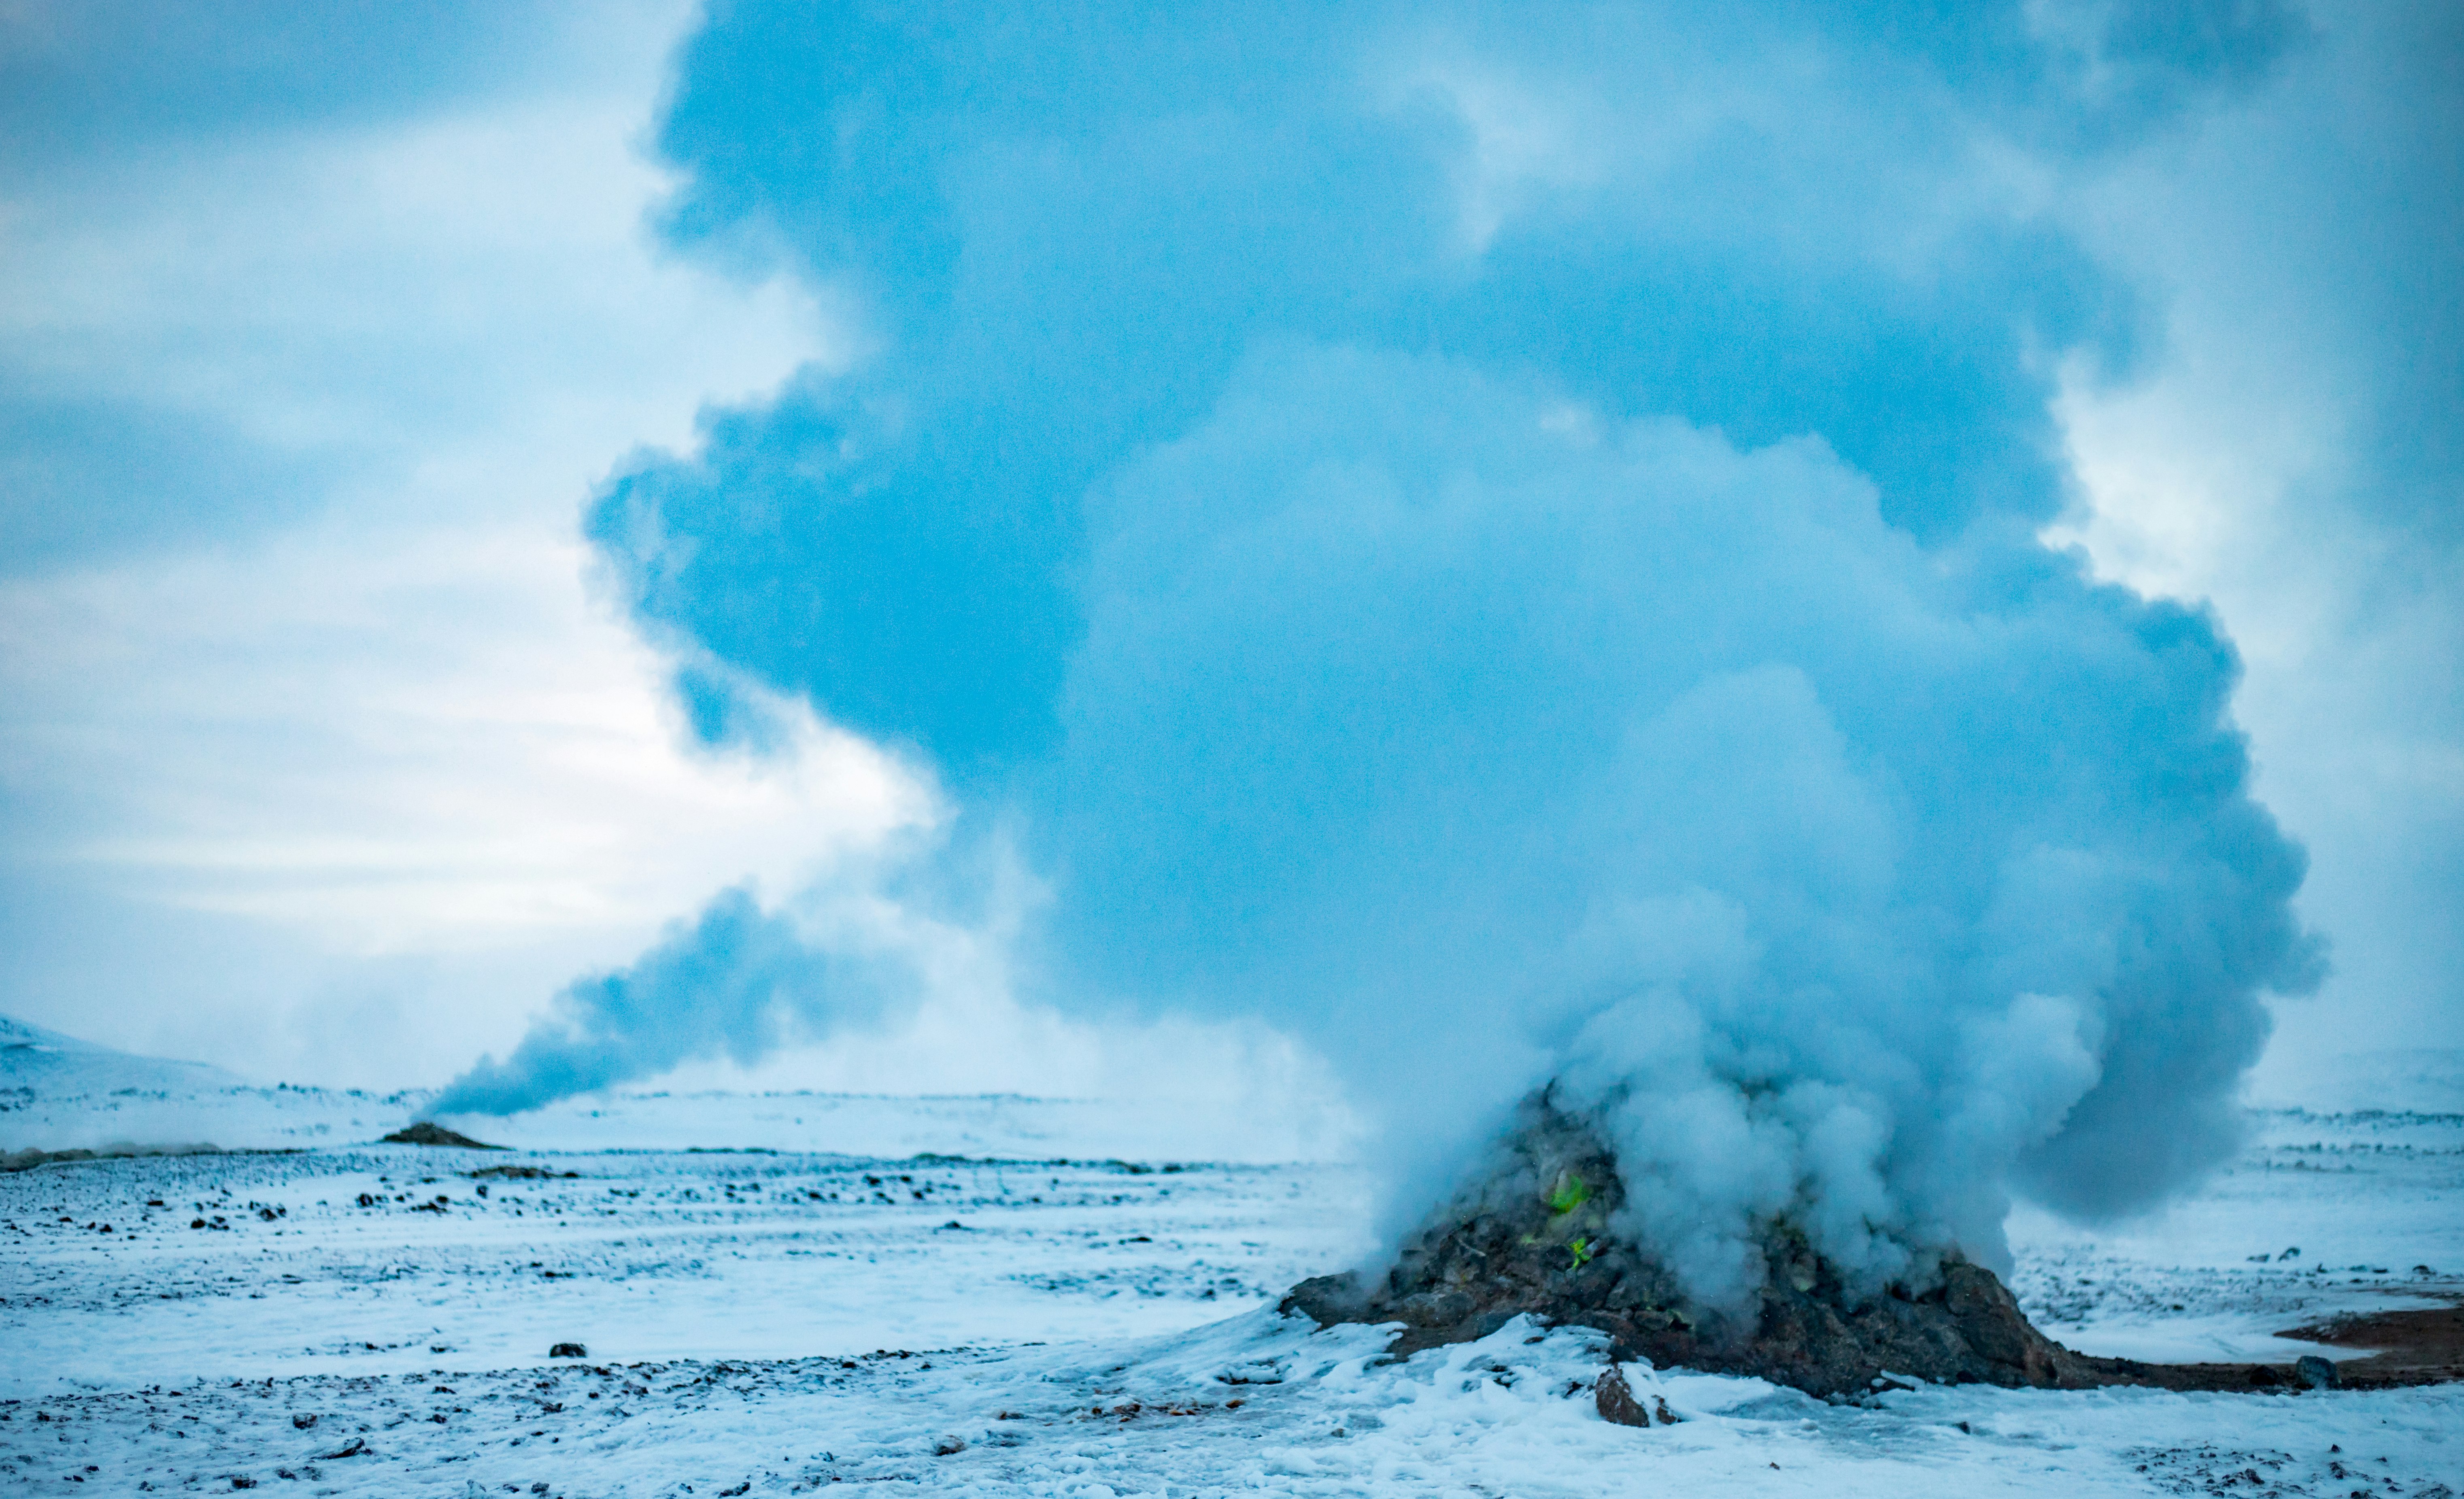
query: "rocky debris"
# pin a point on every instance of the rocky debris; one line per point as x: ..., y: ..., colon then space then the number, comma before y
x: 428, y: 1131
x: 569, y: 1351
x: 1537, y: 1235
x: 1622, y: 1406
x: 1615, y: 1400
x: 518, y: 1173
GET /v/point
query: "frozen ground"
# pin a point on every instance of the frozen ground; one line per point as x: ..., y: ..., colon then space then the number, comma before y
x: 361, y: 1319
x: 2326, y: 1213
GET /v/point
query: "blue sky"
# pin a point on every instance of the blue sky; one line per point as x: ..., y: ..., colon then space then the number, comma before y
x: 1183, y: 523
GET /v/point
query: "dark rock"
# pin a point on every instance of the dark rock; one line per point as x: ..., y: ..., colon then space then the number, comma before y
x: 1616, y: 1400
x: 428, y: 1131
x: 2314, y: 1372
x: 569, y: 1351
x: 948, y: 1447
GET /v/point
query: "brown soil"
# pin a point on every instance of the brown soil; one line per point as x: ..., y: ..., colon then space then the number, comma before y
x: 1534, y: 1236
x: 428, y: 1131
x: 2424, y: 1346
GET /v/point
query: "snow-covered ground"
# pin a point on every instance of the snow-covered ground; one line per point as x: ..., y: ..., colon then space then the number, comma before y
x: 2323, y: 1213
x: 807, y: 1300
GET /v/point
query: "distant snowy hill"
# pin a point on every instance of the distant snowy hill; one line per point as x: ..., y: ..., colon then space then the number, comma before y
x: 58, y: 1092
x: 56, y: 1066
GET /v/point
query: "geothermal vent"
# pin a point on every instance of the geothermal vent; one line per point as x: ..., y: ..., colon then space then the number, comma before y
x: 1535, y: 1236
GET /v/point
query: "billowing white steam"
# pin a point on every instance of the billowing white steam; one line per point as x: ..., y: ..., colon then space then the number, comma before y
x: 1612, y: 648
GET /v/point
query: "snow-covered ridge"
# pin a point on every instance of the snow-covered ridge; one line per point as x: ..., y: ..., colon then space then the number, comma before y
x: 59, y: 1093
x: 32, y: 1059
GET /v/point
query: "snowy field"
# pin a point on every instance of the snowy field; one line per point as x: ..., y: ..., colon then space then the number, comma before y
x: 824, y: 1294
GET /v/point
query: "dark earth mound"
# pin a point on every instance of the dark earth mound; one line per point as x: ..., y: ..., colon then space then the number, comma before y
x: 1536, y: 1236
x: 428, y: 1131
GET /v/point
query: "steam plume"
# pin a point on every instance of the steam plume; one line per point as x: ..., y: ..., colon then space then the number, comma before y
x: 1503, y: 546
x: 734, y: 983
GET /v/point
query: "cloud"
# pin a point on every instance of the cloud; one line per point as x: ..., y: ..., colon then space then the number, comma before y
x: 442, y: 318
x: 320, y: 758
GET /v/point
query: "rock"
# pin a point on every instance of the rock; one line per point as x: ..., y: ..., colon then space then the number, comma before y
x: 569, y: 1351
x: 2314, y: 1372
x: 428, y: 1131
x: 1616, y: 1400
x: 946, y: 1445
x: 302, y: 1422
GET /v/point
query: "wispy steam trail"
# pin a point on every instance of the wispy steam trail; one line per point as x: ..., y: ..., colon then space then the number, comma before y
x: 1505, y: 545
x: 734, y: 983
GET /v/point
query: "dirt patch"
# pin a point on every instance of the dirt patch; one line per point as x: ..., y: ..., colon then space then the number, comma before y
x: 428, y: 1131
x: 2421, y: 1346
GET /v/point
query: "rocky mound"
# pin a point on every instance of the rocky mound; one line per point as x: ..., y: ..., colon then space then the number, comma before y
x: 1536, y: 1236
x: 428, y: 1131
